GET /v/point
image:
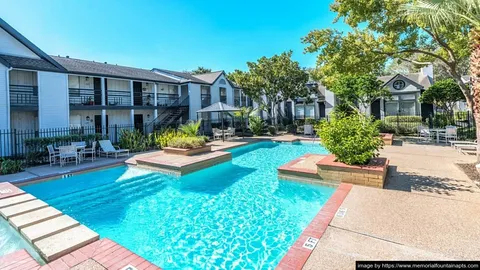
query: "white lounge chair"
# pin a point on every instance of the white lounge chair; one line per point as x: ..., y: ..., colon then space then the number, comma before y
x: 423, y: 132
x: 107, y: 149
x: 454, y: 143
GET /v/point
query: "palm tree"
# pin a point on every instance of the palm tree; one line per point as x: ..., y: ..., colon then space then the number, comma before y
x: 244, y: 114
x: 439, y: 13
x: 191, y: 128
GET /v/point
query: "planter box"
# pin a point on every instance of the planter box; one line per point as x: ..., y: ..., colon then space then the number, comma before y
x: 371, y: 175
x: 387, y: 138
x: 187, y: 152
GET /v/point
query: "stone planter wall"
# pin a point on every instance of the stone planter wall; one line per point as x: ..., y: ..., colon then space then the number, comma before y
x: 371, y: 175
x: 387, y: 138
x: 187, y: 152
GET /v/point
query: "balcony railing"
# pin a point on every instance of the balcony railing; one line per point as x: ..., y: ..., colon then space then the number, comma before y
x: 23, y: 96
x: 206, y: 100
x: 164, y: 100
x: 118, y: 98
x: 84, y: 97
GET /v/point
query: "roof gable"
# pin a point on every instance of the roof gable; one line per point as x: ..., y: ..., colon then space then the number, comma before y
x: 403, y: 77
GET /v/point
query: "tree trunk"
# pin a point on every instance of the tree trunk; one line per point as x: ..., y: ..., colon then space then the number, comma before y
x: 475, y: 75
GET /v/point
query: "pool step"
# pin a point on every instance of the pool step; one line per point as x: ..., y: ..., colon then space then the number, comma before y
x: 22, y: 208
x: 48, y: 228
x: 34, y: 217
x: 16, y: 200
x: 55, y: 246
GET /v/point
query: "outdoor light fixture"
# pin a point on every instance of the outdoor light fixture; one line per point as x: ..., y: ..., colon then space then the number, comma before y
x: 87, y: 78
x: 88, y: 118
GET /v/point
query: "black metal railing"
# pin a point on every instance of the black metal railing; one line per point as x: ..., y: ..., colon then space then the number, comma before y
x: 182, y: 101
x: 165, y: 100
x: 118, y: 98
x: 23, y: 95
x: 84, y: 97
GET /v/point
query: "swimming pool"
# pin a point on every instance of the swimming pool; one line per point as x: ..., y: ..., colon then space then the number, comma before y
x: 233, y: 215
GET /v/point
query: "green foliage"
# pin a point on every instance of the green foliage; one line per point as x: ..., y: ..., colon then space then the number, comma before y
x: 343, y: 109
x: 441, y: 120
x: 134, y: 140
x: 256, y: 125
x: 353, y: 139
x: 9, y: 166
x: 200, y: 70
x: 190, y: 129
x: 311, y: 121
x: 272, y: 130
x: 292, y: 128
x: 443, y: 94
x: 163, y: 137
x: 276, y: 78
x: 359, y: 91
x: 187, y: 142
x: 401, y: 125
x: 37, y: 152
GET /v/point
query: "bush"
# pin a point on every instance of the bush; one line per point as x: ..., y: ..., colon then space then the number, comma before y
x: 36, y: 148
x: 191, y: 128
x: 353, y: 139
x: 134, y: 140
x: 163, y: 137
x: 272, y: 130
x: 292, y: 129
x: 9, y: 166
x: 310, y: 121
x: 187, y: 142
x: 256, y: 125
x: 401, y: 124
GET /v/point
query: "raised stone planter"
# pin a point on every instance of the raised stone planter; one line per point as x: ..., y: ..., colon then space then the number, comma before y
x: 387, y: 138
x: 371, y: 175
x: 187, y: 152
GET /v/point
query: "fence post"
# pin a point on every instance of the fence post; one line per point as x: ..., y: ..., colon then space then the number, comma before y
x: 398, y: 121
x: 115, y: 133
x: 14, y: 144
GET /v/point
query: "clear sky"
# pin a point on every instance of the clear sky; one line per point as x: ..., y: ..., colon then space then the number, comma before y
x: 170, y: 34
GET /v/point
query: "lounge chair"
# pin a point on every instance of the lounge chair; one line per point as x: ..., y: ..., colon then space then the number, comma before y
x: 423, y: 132
x: 465, y: 148
x: 454, y: 143
x: 107, y: 149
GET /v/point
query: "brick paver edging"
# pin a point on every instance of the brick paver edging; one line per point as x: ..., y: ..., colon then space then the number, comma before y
x: 297, y: 255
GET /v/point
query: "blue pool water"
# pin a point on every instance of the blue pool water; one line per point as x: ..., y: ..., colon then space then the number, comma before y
x: 233, y: 215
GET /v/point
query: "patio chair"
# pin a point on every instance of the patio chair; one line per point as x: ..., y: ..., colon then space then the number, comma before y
x: 91, y: 151
x: 217, y: 133
x: 68, y: 154
x: 423, y: 132
x: 449, y: 134
x: 106, y: 148
x: 80, y: 146
x: 53, y: 155
x: 230, y: 133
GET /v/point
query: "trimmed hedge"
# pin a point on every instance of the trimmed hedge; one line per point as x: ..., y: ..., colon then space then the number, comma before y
x: 401, y: 124
x: 187, y: 142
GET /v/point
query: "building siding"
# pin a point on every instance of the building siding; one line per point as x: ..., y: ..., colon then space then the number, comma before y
x: 53, y: 100
x: 4, y: 108
x: 9, y: 45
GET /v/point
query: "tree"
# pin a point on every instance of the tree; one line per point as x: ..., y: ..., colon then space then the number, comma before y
x: 200, y: 70
x: 359, y: 91
x: 443, y: 94
x: 270, y: 81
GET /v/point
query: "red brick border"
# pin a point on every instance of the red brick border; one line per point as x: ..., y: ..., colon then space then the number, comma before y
x: 297, y: 255
x: 289, y: 165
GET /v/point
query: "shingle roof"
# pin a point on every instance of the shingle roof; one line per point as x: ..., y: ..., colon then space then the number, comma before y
x: 419, y: 78
x: 209, y: 77
x: 28, y: 63
x: 85, y: 67
x: 185, y: 75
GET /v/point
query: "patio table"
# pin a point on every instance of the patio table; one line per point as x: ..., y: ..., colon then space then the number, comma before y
x: 438, y: 131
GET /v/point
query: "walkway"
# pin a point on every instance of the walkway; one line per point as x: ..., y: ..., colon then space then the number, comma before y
x: 428, y: 211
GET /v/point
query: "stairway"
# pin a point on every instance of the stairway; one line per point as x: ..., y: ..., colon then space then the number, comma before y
x: 171, y: 114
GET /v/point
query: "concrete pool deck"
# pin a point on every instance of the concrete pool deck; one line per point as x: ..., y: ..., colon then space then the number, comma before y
x: 429, y: 210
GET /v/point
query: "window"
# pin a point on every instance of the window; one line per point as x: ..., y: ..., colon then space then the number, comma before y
x: 222, y: 81
x: 236, y: 98
x: 407, y: 107
x: 304, y: 111
x: 398, y: 84
x: 205, y: 95
x: 223, y: 94
x: 391, y: 108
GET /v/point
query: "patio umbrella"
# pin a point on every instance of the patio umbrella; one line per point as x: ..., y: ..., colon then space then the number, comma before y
x: 219, y: 108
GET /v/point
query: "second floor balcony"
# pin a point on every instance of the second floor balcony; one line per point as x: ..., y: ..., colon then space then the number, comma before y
x: 24, y: 96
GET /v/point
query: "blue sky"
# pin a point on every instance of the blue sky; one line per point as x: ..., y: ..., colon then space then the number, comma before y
x: 176, y: 34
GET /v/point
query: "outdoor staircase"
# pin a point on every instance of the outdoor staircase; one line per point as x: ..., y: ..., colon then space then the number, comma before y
x: 171, y: 114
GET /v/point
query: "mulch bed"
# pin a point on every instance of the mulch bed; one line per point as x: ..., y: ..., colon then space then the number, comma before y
x: 471, y: 171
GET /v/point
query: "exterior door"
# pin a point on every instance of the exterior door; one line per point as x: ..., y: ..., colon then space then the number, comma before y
x: 98, y: 124
x: 138, y: 121
x: 137, y: 94
x: 321, y: 108
x: 375, y: 109
x: 97, y: 91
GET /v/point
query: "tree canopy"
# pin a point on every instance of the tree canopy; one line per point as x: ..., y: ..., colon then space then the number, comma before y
x: 443, y: 94
x: 200, y: 70
x: 269, y: 81
x: 359, y: 91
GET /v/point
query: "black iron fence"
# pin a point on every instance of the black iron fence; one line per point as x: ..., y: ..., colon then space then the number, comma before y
x: 410, y: 124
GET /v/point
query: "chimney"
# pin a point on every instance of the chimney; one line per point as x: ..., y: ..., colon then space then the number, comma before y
x: 427, y: 70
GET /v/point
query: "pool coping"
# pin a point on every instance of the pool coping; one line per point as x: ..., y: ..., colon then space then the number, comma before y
x: 300, y: 251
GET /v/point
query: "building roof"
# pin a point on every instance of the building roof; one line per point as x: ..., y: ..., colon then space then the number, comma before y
x: 27, y: 43
x: 28, y: 63
x: 92, y: 68
x: 181, y: 75
x: 209, y: 77
x: 418, y: 78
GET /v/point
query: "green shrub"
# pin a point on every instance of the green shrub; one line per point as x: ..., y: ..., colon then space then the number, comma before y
x: 9, y: 166
x: 191, y: 128
x: 163, y: 137
x: 401, y: 124
x: 134, y: 140
x: 256, y: 125
x: 343, y: 109
x: 353, y: 139
x: 187, y: 142
x: 310, y: 121
x: 292, y: 129
x: 272, y: 130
